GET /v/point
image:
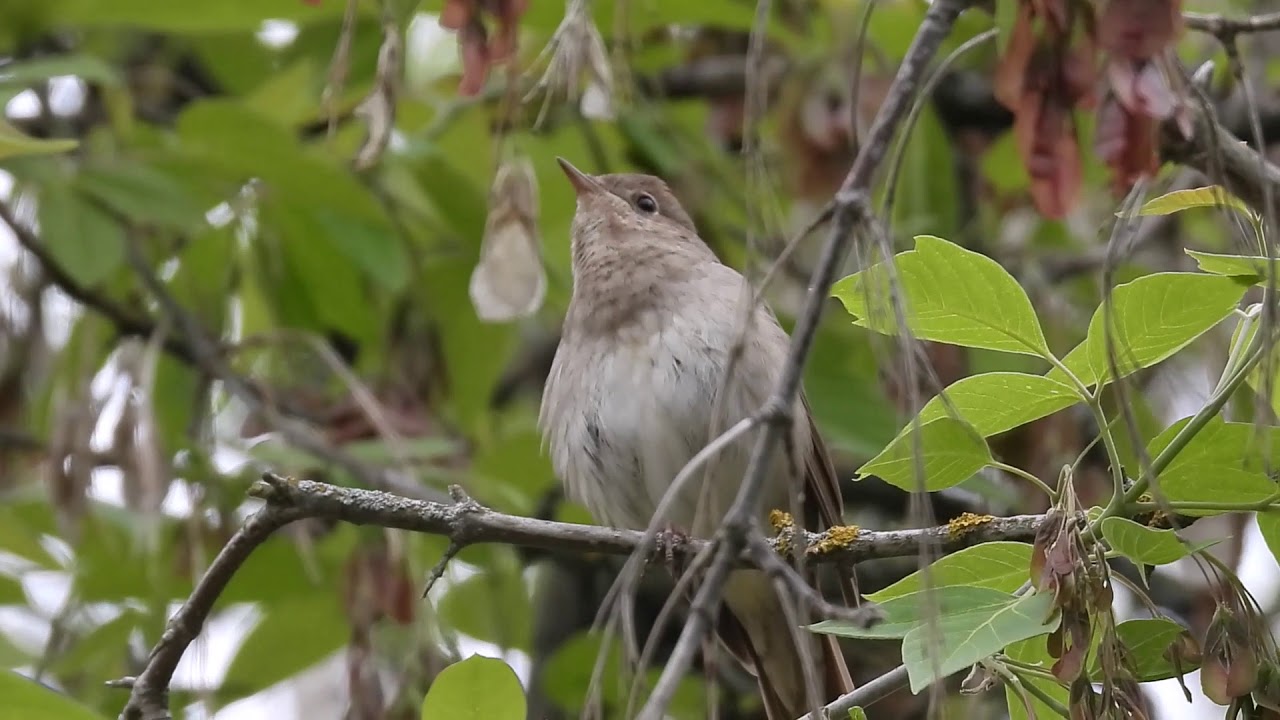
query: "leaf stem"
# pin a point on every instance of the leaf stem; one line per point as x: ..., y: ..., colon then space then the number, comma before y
x: 1011, y: 677
x: 1252, y: 354
x: 1013, y: 470
x: 1221, y: 507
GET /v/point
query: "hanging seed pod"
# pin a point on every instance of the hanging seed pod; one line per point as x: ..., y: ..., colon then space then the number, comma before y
x: 509, y: 282
x: 1230, y: 667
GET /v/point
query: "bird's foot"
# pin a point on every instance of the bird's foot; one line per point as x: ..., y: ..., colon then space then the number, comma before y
x: 669, y: 544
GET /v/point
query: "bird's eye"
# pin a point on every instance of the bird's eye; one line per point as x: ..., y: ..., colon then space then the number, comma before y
x: 646, y: 204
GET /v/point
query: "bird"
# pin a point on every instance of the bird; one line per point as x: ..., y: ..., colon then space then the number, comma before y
x: 634, y: 392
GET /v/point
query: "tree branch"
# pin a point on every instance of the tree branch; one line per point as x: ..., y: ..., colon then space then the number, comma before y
x: 466, y: 522
x: 149, y: 696
x: 1226, y: 28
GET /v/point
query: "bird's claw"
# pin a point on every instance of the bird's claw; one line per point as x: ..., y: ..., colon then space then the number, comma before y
x: 669, y: 544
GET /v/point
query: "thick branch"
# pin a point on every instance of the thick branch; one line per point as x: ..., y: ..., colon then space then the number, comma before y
x: 149, y: 697
x: 469, y: 523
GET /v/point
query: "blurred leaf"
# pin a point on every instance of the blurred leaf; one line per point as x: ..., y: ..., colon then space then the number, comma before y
x: 927, y: 193
x: 291, y: 636
x: 951, y: 295
x: 478, y: 688
x: 957, y: 641
x: 949, y: 453
x: 90, y: 68
x: 146, y: 195
x: 25, y: 699
x: 1141, y: 544
x: 1223, y: 463
x: 21, y: 537
x: 322, y: 196
x: 905, y: 612
x: 490, y: 606
x: 511, y: 472
x: 1003, y: 566
x: 843, y: 385
x: 1269, y: 526
x: 14, y: 143
x: 85, y: 241
x: 11, y: 656
x: 100, y: 648
x: 417, y: 450
x: 1146, y: 640
x: 325, y: 276
x: 290, y: 96
x: 11, y: 592
x: 279, y: 570
x: 114, y: 561
x: 567, y: 675
x: 1151, y: 318
x: 995, y: 402
x: 201, y: 18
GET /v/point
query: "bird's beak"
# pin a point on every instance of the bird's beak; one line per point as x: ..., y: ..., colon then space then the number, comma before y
x: 583, y: 184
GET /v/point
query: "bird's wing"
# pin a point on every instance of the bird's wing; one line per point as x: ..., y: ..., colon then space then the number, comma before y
x: 822, y: 494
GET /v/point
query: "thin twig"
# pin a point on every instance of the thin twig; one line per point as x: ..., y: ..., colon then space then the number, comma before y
x: 851, y: 211
x: 1227, y: 28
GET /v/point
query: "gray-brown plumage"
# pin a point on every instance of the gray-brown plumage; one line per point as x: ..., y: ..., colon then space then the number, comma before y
x: 643, y: 355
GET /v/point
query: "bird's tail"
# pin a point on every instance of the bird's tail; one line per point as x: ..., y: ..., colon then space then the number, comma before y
x: 755, y: 629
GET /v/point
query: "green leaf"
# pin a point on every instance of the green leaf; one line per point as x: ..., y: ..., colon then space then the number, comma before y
x: 292, y: 636
x: 1179, y: 200
x: 1151, y: 318
x: 958, y: 641
x: 857, y: 713
x: 478, y: 688
x: 14, y: 143
x: 995, y: 402
x: 951, y: 295
x: 84, y: 240
x: 492, y: 606
x: 1003, y: 566
x: 950, y: 452
x: 1141, y: 544
x: 903, y: 613
x: 1147, y: 639
x: 1244, y: 266
x: 1223, y: 463
x: 1269, y: 526
x: 25, y: 699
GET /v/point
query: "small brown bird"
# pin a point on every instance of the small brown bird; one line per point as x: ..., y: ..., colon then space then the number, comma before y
x: 631, y: 396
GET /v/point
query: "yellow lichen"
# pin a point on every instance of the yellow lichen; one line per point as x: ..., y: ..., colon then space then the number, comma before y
x: 966, y: 522
x: 780, y: 520
x: 838, y: 537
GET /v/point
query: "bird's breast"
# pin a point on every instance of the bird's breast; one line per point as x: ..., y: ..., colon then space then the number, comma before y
x: 625, y: 412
